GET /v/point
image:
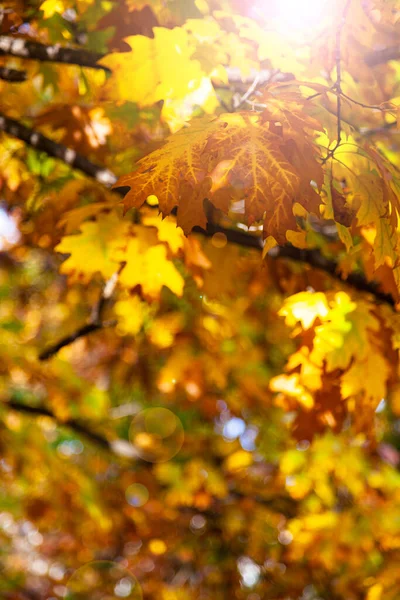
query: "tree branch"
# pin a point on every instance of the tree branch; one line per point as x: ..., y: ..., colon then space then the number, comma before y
x: 252, y: 88
x: 69, y: 339
x: 312, y: 257
x: 95, y: 322
x: 40, y: 142
x: 378, y: 57
x: 124, y: 449
x: 74, y: 424
x: 23, y: 48
x: 12, y: 75
x: 315, y: 259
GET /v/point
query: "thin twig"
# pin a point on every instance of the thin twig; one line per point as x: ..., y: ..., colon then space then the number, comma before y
x: 95, y: 323
x: 369, y: 106
x: 256, y: 105
x: 337, y: 86
x: 330, y: 89
x: 248, y: 93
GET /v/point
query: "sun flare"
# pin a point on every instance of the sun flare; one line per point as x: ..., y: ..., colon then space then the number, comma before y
x: 296, y: 17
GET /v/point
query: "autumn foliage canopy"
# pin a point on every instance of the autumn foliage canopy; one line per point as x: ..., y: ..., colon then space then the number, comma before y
x: 199, y: 299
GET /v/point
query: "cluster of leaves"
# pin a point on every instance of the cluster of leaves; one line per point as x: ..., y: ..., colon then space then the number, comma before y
x: 278, y: 476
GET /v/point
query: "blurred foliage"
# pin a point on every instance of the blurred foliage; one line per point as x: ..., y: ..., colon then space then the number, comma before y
x: 216, y: 422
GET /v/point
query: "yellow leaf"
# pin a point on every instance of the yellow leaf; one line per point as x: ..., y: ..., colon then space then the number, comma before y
x: 269, y: 243
x: 165, y: 67
x: 167, y: 231
x: 375, y: 592
x: 238, y: 460
x: 290, y: 385
x: 91, y: 251
x: 149, y: 267
x: 317, y: 522
x: 369, y: 189
x: 297, y: 238
x: 311, y: 374
x: 52, y: 7
x: 172, y: 373
x: 72, y: 219
x: 164, y: 329
x: 369, y: 376
x: 131, y: 313
x: 178, y: 112
x: 292, y: 461
x: 304, y: 307
x: 157, y: 547
x: 344, y: 334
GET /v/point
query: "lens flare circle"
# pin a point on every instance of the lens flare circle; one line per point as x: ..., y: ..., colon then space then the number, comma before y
x: 157, y: 434
x: 103, y: 580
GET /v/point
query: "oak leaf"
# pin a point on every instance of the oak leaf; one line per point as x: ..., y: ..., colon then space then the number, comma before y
x: 368, y: 376
x: 147, y: 265
x: 167, y: 231
x: 231, y: 157
x: 344, y: 334
x: 164, y: 67
x: 91, y: 250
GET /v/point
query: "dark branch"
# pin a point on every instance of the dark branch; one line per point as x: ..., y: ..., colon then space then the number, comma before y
x: 286, y: 502
x: 315, y: 259
x: 248, y: 240
x: 106, y: 177
x: 378, y: 57
x: 44, y: 144
x: 310, y: 257
x: 12, y: 75
x: 96, y: 319
x: 22, y: 48
x: 75, y: 425
x: 234, y: 236
x: 69, y: 339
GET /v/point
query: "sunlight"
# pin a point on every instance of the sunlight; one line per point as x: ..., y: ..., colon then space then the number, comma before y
x: 293, y: 17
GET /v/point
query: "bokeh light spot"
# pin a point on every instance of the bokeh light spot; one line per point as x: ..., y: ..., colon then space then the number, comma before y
x: 137, y: 495
x: 157, y: 434
x: 219, y: 240
x: 157, y: 547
